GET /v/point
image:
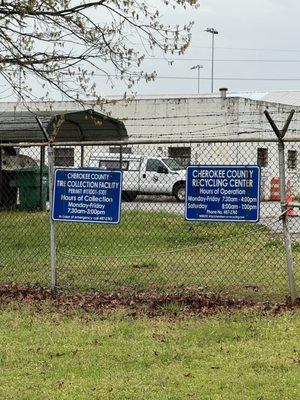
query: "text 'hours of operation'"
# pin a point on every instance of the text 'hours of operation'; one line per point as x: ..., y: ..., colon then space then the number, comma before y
x: 223, y: 193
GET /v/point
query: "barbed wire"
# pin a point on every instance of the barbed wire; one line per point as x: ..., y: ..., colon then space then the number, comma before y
x: 199, y: 123
x: 204, y: 114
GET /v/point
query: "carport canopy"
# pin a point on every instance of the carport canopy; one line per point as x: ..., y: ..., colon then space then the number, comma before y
x: 62, y: 127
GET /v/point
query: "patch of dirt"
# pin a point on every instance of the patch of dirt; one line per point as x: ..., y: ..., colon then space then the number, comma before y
x: 182, y: 301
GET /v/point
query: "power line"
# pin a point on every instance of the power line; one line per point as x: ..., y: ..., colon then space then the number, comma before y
x: 229, y: 78
x: 107, y: 76
x: 192, y: 46
x: 221, y: 60
x: 247, y: 49
x: 203, y: 78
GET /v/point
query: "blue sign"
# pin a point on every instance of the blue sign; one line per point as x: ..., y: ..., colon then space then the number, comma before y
x: 222, y: 193
x: 87, y: 195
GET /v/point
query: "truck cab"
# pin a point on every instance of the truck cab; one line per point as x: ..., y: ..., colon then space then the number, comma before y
x: 145, y: 174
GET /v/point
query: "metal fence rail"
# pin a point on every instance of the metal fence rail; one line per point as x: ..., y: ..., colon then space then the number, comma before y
x: 153, y: 246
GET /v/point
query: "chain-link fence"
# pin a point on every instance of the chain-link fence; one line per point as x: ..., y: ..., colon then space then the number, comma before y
x: 153, y: 246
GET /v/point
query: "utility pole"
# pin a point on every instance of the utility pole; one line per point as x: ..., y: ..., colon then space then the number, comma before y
x: 20, y: 68
x: 213, y: 32
x: 198, y: 67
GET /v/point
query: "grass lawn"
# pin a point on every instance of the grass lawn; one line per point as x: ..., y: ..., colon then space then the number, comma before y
x: 244, y: 356
x: 146, y: 248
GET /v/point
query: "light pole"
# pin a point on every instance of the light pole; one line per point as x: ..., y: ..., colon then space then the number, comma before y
x: 213, y: 32
x: 198, y: 67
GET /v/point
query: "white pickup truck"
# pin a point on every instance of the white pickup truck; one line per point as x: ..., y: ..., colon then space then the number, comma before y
x: 144, y: 174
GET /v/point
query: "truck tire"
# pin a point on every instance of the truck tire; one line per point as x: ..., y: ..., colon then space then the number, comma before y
x: 179, y: 192
x: 128, y: 196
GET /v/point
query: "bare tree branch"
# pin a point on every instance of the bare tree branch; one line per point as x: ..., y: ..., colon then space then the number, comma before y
x: 77, y: 38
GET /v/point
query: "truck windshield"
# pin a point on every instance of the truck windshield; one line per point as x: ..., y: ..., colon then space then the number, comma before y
x: 172, y: 164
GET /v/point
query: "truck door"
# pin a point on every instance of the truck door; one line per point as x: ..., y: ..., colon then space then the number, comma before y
x: 154, y: 179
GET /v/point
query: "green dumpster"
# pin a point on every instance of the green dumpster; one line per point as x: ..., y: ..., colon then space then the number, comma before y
x: 33, y: 188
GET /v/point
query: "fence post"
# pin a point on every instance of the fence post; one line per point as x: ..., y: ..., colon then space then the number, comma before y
x: 121, y: 157
x: 0, y: 176
x: 42, y: 164
x: 284, y: 216
x: 81, y: 156
x: 52, y: 224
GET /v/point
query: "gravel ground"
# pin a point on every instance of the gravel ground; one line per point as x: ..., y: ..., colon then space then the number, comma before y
x: 269, y: 212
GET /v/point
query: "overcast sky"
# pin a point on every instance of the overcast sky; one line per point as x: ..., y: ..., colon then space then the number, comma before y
x: 257, y: 49
x: 250, y: 30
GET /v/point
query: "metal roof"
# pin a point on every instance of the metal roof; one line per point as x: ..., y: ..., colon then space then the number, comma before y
x: 71, y: 126
x: 291, y: 98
